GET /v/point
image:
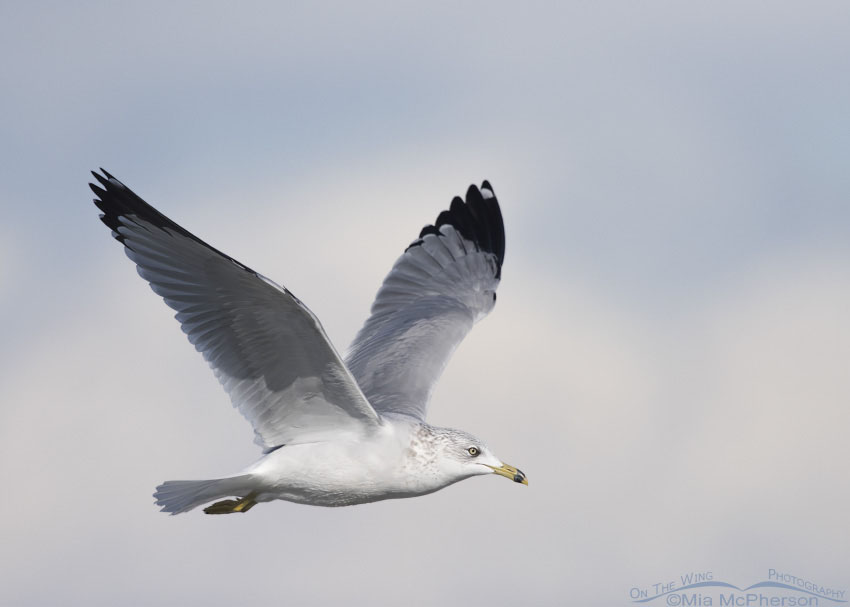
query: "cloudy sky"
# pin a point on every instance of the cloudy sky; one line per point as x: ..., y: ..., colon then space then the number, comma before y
x: 668, y: 360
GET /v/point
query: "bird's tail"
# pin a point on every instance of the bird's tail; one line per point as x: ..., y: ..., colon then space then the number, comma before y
x: 175, y: 497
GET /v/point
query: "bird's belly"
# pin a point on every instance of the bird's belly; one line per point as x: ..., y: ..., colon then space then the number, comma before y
x: 323, y: 474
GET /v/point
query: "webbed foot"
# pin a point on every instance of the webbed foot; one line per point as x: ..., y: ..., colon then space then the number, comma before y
x: 229, y: 506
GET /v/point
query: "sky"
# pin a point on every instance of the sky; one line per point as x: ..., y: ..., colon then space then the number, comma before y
x: 667, y: 361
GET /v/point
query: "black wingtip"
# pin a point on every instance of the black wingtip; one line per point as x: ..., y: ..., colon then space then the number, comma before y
x: 118, y: 203
x: 100, y: 179
x: 478, y: 219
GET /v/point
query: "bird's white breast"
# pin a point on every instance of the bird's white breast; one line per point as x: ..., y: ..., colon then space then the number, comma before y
x: 392, y: 462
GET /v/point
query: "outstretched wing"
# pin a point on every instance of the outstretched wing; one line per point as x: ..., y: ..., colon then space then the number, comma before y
x: 443, y: 283
x: 266, y: 348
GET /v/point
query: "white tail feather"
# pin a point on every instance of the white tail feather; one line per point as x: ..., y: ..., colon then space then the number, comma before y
x: 181, y: 496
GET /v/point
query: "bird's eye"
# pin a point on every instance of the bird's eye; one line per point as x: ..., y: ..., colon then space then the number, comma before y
x: 473, y: 451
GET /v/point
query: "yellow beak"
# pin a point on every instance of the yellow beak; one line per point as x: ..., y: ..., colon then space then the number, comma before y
x: 515, y: 474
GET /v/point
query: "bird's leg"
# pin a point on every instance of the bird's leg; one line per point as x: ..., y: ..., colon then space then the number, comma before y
x: 243, y: 504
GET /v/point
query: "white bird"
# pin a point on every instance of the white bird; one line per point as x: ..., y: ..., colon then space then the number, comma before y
x: 333, y: 432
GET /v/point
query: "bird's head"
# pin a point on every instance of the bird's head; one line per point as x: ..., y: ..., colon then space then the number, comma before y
x: 462, y: 455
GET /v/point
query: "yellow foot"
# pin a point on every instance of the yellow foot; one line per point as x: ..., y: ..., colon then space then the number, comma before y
x: 228, y: 506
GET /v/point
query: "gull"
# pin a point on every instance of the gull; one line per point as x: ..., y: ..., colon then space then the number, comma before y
x: 334, y: 432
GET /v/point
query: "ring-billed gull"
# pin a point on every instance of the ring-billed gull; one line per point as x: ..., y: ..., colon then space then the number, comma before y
x: 334, y: 432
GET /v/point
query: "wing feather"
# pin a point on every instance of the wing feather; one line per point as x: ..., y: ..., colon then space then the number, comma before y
x: 265, y: 347
x: 443, y: 283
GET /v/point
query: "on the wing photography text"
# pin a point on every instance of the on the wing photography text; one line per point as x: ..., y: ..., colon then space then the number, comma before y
x: 705, y: 589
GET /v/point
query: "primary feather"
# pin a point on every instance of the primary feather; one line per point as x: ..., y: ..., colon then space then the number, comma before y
x: 443, y: 283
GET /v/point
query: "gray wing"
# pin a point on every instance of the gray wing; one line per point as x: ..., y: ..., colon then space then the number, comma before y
x: 266, y: 348
x: 443, y: 283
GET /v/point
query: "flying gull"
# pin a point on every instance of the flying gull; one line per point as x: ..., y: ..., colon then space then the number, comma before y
x: 334, y: 432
